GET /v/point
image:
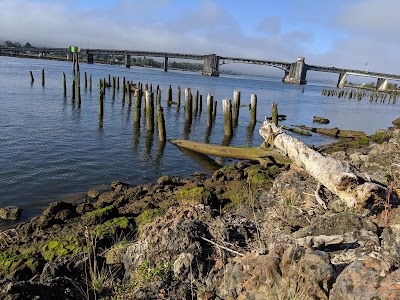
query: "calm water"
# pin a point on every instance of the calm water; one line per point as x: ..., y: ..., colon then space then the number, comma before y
x: 50, y: 148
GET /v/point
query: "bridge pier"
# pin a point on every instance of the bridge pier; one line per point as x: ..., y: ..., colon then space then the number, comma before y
x: 211, y: 65
x: 166, y: 64
x: 127, y: 61
x: 341, y: 81
x: 381, y: 84
x: 90, y: 58
x: 297, y: 72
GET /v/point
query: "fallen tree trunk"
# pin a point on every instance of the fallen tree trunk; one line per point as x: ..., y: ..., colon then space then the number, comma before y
x: 334, y: 174
x: 259, y: 154
x: 335, y: 132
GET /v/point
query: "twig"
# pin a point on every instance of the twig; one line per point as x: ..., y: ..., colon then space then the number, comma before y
x: 222, y: 247
x: 318, y: 198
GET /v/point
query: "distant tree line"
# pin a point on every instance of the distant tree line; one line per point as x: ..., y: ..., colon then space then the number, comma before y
x: 390, y: 86
x: 11, y: 44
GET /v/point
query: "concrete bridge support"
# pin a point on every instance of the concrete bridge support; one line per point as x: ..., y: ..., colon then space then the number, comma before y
x: 166, y: 64
x: 90, y: 58
x: 211, y: 65
x: 381, y: 84
x: 297, y: 72
x: 342, y: 80
x: 127, y: 61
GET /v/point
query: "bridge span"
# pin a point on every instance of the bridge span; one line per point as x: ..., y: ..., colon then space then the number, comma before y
x: 294, y: 72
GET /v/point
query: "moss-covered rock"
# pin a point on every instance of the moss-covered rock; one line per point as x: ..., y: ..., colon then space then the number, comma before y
x: 363, y: 141
x: 258, y: 177
x: 380, y: 137
x: 100, y: 215
x: 195, y: 196
x: 112, y: 227
x: 54, y: 249
x: 18, y: 265
x: 148, y: 215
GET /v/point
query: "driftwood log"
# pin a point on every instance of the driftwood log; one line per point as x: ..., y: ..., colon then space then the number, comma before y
x: 334, y: 174
x: 264, y: 156
x: 335, y: 132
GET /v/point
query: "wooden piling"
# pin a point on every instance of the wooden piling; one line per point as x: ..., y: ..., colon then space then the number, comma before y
x: 64, y: 85
x: 101, y: 99
x: 169, y: 95
x: 196, y: 102
x: 149, y: 96
x: 42, y: 77
x: 188, y: 105
x: 123, y: 88
x: 253, y: 108
x: 274, y: 113
x: 137, y: 107
x: 129, y: 96
x: 178, y: 97
x: 85, y: 81
x: 214, y: 110
x: 90, y: 82
x: 236, y: 106
x: 201, y: 103
x: 158, y: 96
x: 32, y: 79
x: 109, y: 80
x: 161, y: 124
x: 113, y: 88
x: 210, y: 100
x: 118, y: 83
x: 73, y: 89
x: 227, y: 111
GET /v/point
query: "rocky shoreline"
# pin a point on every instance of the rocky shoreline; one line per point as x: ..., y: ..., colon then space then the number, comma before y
x: 246, y: 232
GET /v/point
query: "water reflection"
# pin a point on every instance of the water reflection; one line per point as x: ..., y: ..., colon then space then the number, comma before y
x: 187, y: 128
x: 160, y: 154
x: 208, y: 134
x: 205, y: 161
x: 148, y: 145
x: 250, y: 134
x: 227, y: 140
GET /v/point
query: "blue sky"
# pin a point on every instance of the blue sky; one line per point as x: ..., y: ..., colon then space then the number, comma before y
x: 338, y: 33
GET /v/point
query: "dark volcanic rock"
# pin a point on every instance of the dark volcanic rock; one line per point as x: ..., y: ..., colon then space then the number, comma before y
x: 10, y: 213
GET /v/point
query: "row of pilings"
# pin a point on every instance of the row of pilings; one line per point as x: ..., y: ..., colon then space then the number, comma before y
x: 145, y: 98
x: 359, y: 94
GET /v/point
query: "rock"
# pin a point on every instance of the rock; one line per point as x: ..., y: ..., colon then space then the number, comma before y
x: 93, y: 194
x: 164, y: 180
x: 391, y: 243
x: 320, y: 120
x: 389, y: 288
x: 360, y: 280
x: 10, y: 213
x: 183, y: 265
x: 396, y: 122
x: 84, y: 208
x: 100, y: 215
x: 52, y: 214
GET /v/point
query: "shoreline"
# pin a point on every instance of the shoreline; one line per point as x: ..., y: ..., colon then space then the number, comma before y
x: 215, y: 233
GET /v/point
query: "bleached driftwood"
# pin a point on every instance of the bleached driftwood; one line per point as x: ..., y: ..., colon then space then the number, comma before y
x: 334, y: 174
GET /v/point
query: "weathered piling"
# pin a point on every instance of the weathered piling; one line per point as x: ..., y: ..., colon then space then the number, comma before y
x: 158, y: 95
x: 109, y: 80
x: 129, y: 96
x: 236, y: 106
x: 201, y: 103
x: 214, y: 110
x: 73, y: 89
x: 64, y: 85
x: 32, y: 79
x: 90, y: 82
x: 118, y: 83
x: 196, y: 102
x: 188, y: 105
x: 178, y: 97
x: 123, y: 89
x: 274, y: 107
x: 161, y: 124
x: 113, y: 88
x: 210, y: 101
x: 137, y: 107
x: 149, y: 98
x: 227, y: 111
x: 169, y: 95
x: 85, y: 81
x: 43, y: 77
x: 253, y: 108
x: 101, y: 99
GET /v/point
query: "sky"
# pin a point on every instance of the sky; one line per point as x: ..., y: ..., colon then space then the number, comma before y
x: 356, y: 34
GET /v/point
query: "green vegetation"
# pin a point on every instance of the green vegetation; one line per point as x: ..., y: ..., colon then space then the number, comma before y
x: 258, y: 177
x: 380, y: 137
x: 109, y: 228
x: 149, y: 272
x: 100, y: 211
x: 11, y: 259
x: 363, y: 141
x: 148, y: 215
x: 57, y: 248
x: 194, y: 196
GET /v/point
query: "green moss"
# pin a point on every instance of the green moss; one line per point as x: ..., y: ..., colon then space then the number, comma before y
x: 194, y: 196
x: 12, y: 259
x: 57, y: 248
x: 258, y: 177
x: 237, y: 197
x: 110, y: 228
x: 380, y: 137
x: 363, y: 141
x: 148, y: 215
x: 100, y: 210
